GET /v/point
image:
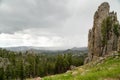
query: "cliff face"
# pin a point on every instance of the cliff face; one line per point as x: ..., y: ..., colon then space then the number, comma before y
x: 104, y: 37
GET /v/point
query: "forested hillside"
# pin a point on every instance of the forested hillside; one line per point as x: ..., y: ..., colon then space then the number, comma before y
x: 18, y: 65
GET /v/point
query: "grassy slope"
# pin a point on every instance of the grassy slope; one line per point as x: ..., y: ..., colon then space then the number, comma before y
x: 109, y: 69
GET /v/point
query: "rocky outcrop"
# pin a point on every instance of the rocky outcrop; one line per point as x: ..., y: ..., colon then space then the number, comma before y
x: 104, y: 37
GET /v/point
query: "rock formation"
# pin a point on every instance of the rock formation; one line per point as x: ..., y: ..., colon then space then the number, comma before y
x: 104, y: 37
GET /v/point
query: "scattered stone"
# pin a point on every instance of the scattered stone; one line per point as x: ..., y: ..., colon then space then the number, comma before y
x: 81, y: 70
x: 74, y: 73
x: 38, y: 78
x: 68, y: 71
x: 72, y: 67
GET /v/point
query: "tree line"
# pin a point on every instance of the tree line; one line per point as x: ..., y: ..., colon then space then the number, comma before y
x: 19, y: 65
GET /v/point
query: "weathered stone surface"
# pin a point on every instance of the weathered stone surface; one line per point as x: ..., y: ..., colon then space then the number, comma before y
x: 95, y: 34
x: 104, y: 36
x: 118, y: 45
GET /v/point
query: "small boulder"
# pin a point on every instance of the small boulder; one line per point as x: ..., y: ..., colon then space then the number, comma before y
x: 38, y: 78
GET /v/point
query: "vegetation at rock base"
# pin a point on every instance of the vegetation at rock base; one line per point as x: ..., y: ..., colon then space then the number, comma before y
x: 108, y: 69
x: 115, y: 29
x: 18, y: 65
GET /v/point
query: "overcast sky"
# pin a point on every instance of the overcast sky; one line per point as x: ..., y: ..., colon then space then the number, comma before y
x: 48, y: 23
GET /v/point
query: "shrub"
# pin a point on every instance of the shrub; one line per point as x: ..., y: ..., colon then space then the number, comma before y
x: 115, y: 29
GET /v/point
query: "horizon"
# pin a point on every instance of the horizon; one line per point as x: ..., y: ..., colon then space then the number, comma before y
x: 43, y: 48
x: 47, y: 23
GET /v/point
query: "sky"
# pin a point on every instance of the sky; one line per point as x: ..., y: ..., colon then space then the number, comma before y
x: 48, y: 23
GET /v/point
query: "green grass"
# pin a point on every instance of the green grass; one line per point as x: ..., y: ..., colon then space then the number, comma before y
x: 109, y: 69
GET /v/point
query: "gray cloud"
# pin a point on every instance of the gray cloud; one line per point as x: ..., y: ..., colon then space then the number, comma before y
x: 23, y: 14
x: 58, y: 21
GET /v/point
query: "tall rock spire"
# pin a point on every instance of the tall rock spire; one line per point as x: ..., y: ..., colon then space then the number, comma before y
x: 104, y: 35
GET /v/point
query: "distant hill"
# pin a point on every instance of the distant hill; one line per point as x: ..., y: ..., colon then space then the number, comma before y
x: 79, y: 48
x: 27, y: 48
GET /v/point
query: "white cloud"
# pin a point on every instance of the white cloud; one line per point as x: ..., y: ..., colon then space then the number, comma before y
x: 20, y: 39
x: 5, y: 8
x: 26, y: 39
